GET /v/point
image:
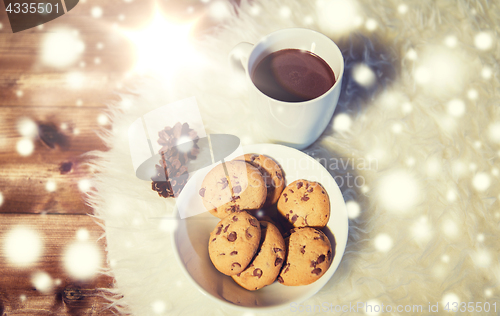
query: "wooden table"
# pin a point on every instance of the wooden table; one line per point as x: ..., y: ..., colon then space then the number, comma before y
x: 40, y: 191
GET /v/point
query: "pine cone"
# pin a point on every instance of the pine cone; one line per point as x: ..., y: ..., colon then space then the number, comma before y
x: 173, y: 165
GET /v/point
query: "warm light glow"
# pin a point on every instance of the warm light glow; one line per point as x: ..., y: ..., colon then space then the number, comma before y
x: 481, y: 181
x: 383, y: 242
x: 337, y: 16
x: 285, y: 12
x: 449, y: 299
x: 42, y: 282
x: 458, y: 169
x: 363, y: 75
x: 432, y: 167
x: 456, y: 107
x: 486, y: 72
x: 51, y: 186
x: 220, y: 10
x: 406, y: 107
x: 422, y: 230
x: 162, y: 47
x: 126, y: 103
x: 441, y: 71
x: 451, y: 41
x: 84, y: 185
x: 184, y: 144
x: 82, y: 234
x: 410, y: 161
x: 494, y: 132
x: 398, y: 191
x: 96, y: 12
x: 480, y: 237
x: 82, y: 260
x: 495, y: 172
x: 168, y: 224
x: 25, y: 147
x: 365, y: 189
x: 159, y: 307
x: 373, y: 311
x: 27, y: 127
x: 422, y: 75
x: 342, y: 122
x: 353, y: 209
x: 255, y: 10
x: 483, y: 40
x: 450, y: 228
x: 75, y: 80
x: 472, y: 94
x: 451, y: 195
x: 371, y: 25
x: 391, y: 99
x: 402, y: 8
x: 481, y: 258
x: 397, y: 128
x: 102, y: 119
x: 61, y: 48
x: 22, y: 246
x: 411, y: 54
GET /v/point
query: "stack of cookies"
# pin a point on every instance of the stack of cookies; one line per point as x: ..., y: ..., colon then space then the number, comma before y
x: 267, y: 231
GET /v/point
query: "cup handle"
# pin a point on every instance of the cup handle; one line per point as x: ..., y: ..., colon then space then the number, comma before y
x: 238, y: 57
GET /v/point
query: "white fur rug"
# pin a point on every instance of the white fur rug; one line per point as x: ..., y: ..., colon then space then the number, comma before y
x: 417, y: 125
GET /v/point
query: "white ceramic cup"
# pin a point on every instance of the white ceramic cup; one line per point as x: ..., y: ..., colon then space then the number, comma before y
x: 295, y: 124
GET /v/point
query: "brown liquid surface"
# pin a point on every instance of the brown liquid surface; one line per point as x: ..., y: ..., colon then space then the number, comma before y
x: 293, y: 75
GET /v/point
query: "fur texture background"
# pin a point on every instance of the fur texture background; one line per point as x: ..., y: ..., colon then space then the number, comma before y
x: 424, y: 223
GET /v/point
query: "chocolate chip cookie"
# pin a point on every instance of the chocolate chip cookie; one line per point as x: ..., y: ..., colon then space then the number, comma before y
x: 305, y: 204
x: 231, y: 187
x: 271, y: 172
x: 234, y: 242
x: 309, y: 256
x: 266, y: 265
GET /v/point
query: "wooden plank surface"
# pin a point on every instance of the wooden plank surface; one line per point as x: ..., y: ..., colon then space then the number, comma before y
x: 66, y: 116
x: 63, y: 136
x: 18, y: 296
x: 40, y: 191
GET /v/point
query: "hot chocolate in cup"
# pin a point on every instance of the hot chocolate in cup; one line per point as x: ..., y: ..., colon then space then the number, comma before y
x: 295, y: 76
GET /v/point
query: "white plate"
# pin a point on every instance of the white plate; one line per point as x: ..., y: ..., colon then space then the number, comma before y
x: 190, y: 239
